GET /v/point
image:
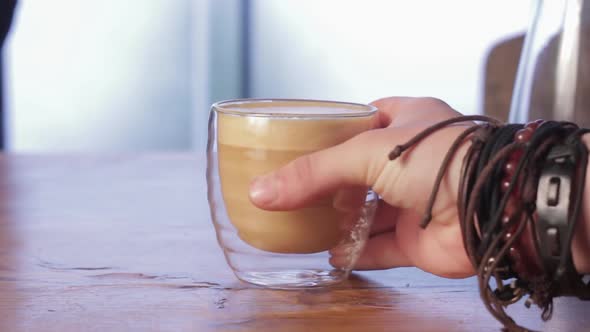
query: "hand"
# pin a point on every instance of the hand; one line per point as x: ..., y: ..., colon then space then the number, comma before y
x: 404, y: 184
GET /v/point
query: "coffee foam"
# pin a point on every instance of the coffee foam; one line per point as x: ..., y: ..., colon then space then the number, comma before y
x: 296, y: 134
x: 299, y: 108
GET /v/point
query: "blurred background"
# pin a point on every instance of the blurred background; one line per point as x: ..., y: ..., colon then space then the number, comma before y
x: 140, y: 75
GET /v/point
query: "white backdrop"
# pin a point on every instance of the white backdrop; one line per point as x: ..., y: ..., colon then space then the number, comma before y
x: 363, y: 50
x: 140, y: 75
x: 99, y: 75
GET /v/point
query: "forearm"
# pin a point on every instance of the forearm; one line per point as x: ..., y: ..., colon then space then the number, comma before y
x: 581, y: 240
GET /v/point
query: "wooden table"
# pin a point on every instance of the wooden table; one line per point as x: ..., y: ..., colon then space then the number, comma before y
x: 119, y: 243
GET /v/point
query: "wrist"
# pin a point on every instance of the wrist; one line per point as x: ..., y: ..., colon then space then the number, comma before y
x: 581, y: 240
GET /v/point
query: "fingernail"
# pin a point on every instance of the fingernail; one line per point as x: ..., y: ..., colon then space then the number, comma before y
x: 263, y: 190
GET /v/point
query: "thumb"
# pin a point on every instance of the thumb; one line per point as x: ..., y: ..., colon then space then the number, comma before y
x: 317, y: 174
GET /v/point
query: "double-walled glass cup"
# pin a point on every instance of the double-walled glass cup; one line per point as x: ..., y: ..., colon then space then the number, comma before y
x: 308, y: 247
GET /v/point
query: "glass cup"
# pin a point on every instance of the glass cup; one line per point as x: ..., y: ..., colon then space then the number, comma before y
x: 284, y: 249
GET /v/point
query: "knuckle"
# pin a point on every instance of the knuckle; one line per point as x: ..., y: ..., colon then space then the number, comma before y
x: 303, y: 168
x: 387, y: 178
x: 368, y: 167
x: 437, y: 109
x: 381, y: 102
x: 371, y: 167
x: 434, y: 102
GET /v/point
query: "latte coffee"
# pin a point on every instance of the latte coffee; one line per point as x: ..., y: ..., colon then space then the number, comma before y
x: 256, y: 138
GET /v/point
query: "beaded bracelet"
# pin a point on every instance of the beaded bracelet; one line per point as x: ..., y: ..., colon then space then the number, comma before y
x: 519, y: 230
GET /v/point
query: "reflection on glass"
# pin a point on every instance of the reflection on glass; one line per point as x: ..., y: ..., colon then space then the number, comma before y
x: 554, y: 69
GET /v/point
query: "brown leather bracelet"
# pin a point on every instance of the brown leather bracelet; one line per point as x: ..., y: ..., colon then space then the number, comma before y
x: 553, y: 207
x: 522, y: 234
x: 555, y: 221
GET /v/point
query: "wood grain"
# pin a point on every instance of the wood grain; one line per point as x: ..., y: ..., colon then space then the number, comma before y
x: 124, y: 243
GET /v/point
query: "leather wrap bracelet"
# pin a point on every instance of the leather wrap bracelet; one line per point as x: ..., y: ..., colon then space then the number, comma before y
x: 518, y: 230
x: 555, y: 225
